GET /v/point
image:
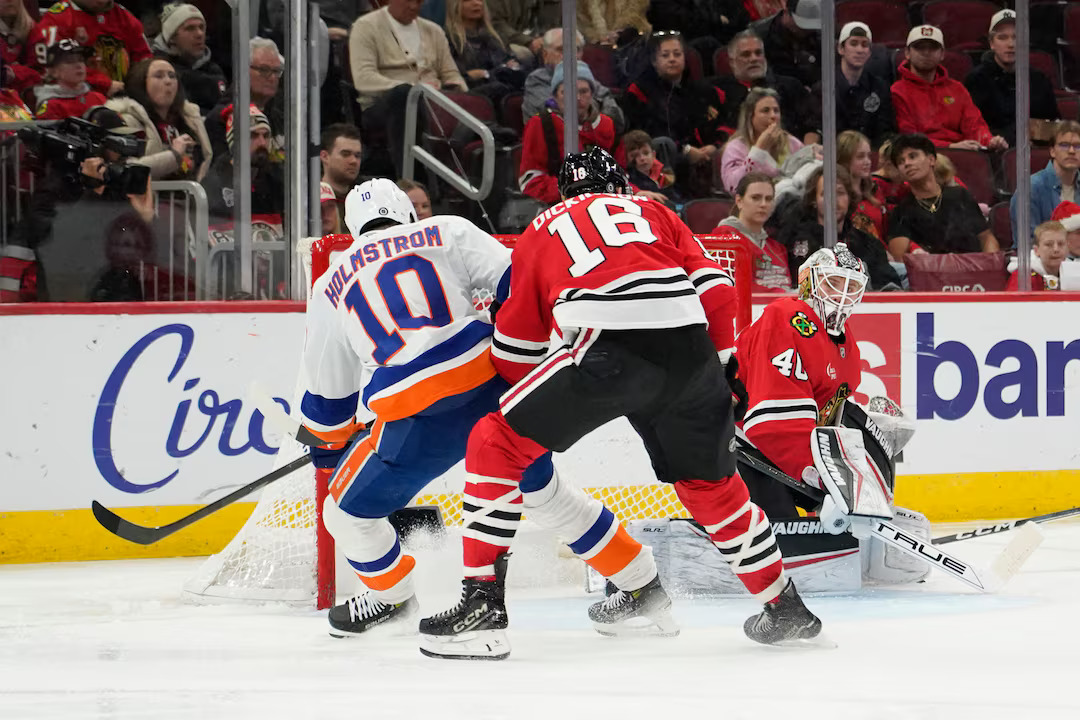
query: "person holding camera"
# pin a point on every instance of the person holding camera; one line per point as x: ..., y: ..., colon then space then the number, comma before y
x: 58, y: 251
x: 66, y: 92
x: 177, y: 146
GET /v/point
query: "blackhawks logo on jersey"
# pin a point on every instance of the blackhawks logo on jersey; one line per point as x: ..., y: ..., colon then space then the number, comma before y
x: 825, y: 416
x: 112, y: 56
x: 803, y: 325
x: 58, y: 8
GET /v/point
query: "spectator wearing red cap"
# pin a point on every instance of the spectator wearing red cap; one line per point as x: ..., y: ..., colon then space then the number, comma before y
x: 992, y: 83
x: 929, y: 102
x: 1059, y: 181
x: 15, y: 27
x: 331, y: 223
x: 1047, y: 254
x: 1068, y: 214
x: 112, y: 32
x: 66, y: 92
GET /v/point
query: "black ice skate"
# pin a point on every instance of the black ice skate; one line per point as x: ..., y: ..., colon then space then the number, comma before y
x: 646, y: 611
x: 475, y: 628
x: 364, y: 612
x: 783, y: 621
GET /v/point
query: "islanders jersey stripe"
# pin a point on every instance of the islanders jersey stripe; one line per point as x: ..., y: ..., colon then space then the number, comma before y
x: 329, y: 413
x: 459, y: 364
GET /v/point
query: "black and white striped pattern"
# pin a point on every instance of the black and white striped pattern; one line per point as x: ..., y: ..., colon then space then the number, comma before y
x: 490, y: 521
x: 782, y: 409
x: 513, y: 349
x: 646, y: 299
x: 706, y: 279
x: 753, y: 550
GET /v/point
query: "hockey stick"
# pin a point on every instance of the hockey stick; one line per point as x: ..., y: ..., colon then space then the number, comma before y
x: 1005, y: 526
x: 149, y: 535
x: 1004, y: 566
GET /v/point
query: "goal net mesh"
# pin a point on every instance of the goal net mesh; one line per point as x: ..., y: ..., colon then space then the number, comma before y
x: 273, y: 557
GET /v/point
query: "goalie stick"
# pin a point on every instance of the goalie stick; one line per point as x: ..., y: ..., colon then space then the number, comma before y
x: 1005, y: 526
x: 1004, y: 566
x: 149, y: 535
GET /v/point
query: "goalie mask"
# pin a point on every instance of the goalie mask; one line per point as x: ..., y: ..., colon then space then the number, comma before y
x: 832, y: 281
x: 592, y: 171
x: 378, y: 199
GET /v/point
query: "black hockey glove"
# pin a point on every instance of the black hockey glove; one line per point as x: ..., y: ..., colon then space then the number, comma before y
x: 738, y: 389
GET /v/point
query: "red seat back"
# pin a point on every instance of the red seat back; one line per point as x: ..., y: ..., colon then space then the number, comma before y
x: 973, y: 167
x: 956, y: 272
x: 887, y: 19
x: 963, y: 22
x: 702, y: 216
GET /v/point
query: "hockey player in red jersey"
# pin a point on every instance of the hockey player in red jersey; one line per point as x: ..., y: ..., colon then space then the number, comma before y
x: 644, y: 317
x: 799, y: 363
x: 114, y: 34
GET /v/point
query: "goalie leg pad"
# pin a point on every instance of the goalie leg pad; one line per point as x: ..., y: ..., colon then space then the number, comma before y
x: 598, y: 537
x: 372, y: 547
x: 885, y: 564
x: 740, y: 530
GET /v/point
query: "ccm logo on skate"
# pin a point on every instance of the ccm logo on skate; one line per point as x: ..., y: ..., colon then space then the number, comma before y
x: 1006, y: 394
x: 209, y: 405
x: 470, y: 618
x: 920, y: 547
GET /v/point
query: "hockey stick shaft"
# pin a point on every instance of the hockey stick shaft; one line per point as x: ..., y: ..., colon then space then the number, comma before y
x: 1005, y: 565
x: 1005, y: 526
x: 149, y: 535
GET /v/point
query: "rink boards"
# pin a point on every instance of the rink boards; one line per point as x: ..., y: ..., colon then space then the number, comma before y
x: 142, y: 407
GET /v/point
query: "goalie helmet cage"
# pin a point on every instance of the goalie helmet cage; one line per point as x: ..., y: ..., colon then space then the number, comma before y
x: 284, y: 554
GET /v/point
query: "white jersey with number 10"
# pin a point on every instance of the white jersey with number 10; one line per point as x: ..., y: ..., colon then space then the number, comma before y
x: 392, y: 325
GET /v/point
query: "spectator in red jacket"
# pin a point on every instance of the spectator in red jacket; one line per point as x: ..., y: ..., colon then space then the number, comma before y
x: 113, y: 33
x: 15, y: 27
x: 68, y: 93
x: 542, y: 143
x: 1046, y: 258
x: 929, y: 102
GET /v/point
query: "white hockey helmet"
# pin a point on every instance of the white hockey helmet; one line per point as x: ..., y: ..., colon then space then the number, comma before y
x: 378, y: 199
x: 832, y: 281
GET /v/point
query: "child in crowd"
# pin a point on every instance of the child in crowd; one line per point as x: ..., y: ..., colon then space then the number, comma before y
x: 1046, y: 257
x: 644, y: 169
x: 1068, y: 214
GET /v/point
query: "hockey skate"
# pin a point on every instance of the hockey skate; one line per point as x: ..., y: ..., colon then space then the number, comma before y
x: 475, y: 628
x: 646, y: 611
x: 784, y: 621
x: 364, y: 612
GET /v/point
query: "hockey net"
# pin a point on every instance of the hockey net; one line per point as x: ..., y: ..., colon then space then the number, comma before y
x: 283, y: 554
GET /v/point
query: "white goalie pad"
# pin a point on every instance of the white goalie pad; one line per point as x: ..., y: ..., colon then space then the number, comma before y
x: 851, y: 479
x: 690, y: 565
x: 882, y: 563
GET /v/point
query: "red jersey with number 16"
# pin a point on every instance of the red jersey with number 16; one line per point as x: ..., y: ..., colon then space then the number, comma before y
x: 796, y: 376
x: 603, y: 261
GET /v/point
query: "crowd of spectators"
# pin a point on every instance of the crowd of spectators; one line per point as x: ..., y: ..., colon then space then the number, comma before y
x: 703, y: 100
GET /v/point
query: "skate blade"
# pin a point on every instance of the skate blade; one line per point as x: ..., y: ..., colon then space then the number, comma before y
x: 820, y: 642
x: 477, y: 645
x: 655, y: 625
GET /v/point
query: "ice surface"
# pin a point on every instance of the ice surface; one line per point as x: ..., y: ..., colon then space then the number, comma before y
x: 111, y: 641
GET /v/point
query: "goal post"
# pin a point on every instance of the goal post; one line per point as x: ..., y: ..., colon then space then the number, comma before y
x: 284, y: 554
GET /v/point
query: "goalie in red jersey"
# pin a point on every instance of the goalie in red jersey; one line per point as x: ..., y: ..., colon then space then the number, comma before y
x: 799, y: 365
x: 644, y: 317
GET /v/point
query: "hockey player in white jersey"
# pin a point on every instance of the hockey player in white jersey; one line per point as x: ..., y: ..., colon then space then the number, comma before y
x: 394, y: 341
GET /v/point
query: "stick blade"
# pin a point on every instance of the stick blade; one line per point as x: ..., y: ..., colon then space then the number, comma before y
x: 121, y: 528
x: 1026, y: 539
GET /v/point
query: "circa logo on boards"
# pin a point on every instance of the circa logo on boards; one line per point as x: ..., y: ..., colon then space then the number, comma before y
x: 1007, y: 394
x: 209, y: 405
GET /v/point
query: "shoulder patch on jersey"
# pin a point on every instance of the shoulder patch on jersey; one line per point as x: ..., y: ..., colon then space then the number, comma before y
x: 58, y: 7
x: 803, y: 324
